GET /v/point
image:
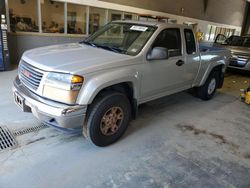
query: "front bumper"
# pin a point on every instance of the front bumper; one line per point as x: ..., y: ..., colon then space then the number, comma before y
x: 52, y: 113
x: 236, y: 64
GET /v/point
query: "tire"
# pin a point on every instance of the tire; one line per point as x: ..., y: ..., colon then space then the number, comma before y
x: 108, y: 108
x: 208, y: 90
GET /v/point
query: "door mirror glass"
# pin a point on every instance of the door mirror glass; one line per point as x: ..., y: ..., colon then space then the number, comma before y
x: 220, y: 39
x: 158, y: 53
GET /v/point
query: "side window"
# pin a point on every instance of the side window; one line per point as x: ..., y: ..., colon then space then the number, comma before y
x: 190, y: 41
x: 170, y: 39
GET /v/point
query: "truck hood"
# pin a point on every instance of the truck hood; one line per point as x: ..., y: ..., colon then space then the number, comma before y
x: 239, y: 50
x: 73, y: 58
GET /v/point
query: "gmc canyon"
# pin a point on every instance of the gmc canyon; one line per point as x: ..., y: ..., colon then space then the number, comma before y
x: 97, y: 85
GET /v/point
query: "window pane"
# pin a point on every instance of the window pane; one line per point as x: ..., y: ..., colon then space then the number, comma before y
x: 129, y: 16
x: 222, y: 31
x: 226, y: 32
x: 23, y: 15
x: 217, y: 32
x: 209, y: 27
x: 122, y: 38
x: 76, y: 19
x: 190, y: 41
x: 232, y: 32
x: 114, y: 15
x: 96, y: 18
x: 170, y: 39
x: 52, y: 16
x: 212, y: 33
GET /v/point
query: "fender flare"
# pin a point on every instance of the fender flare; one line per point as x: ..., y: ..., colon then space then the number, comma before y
x: 107, y: 79
x: 212, y: 66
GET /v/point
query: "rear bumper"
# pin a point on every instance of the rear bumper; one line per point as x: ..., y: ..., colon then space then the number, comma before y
x: 49, y: 112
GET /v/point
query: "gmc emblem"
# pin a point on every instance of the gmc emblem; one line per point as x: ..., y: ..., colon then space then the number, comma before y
x: 26, y: 73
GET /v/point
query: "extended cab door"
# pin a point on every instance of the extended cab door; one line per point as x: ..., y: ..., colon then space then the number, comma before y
x: 165, y: 76
x: 192, y: 57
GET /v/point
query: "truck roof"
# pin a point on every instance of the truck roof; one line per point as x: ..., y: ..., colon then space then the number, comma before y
x: 153, y: 23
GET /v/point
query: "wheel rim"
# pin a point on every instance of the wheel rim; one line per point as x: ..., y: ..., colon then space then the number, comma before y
x: 211, y: 86
x: 111, y: 121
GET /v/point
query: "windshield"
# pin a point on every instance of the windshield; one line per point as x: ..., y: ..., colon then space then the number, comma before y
x: 124, y: 38
x: 238, y: 41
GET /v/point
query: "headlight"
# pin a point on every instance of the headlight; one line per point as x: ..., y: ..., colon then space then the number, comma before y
x: 62, y: 87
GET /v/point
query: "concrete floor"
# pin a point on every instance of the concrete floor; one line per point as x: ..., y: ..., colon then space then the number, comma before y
x: 177, y: 141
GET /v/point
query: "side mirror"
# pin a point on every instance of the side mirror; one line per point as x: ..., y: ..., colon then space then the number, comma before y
x: 158, y: 53
x: 220, y: 39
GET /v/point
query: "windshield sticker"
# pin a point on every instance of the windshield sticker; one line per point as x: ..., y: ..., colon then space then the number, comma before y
x: 138, y: 28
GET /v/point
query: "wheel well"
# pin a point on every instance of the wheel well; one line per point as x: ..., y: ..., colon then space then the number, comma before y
x: 125, y: 88
x: 220, y: 71
x: 218, y: 68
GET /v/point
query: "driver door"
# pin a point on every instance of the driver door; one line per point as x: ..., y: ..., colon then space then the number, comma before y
x: 165, y: 76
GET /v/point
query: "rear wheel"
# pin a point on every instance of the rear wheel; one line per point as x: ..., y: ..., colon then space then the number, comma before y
x: 208, y: 90
x: 108, y: 119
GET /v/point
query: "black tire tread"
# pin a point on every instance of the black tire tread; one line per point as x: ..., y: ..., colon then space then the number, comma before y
x: 98, y: 102
x: 202, y: 90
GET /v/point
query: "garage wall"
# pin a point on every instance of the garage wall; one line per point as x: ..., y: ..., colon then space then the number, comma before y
x: 18, y: 43
x: 233, y: 10
x: 193, y: 11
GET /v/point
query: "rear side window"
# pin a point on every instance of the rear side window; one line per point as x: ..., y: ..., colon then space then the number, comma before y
x: 170, y: 39
x: 190, y: 41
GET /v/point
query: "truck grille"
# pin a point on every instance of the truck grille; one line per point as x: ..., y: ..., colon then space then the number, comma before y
x: 30, y: 76
x: 239, y: 60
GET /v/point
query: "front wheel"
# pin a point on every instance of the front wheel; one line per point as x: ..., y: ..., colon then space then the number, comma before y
x: 208, y: 90
x: 108, y: 119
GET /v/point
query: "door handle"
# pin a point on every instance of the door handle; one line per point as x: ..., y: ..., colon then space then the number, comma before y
x: 180, y: 63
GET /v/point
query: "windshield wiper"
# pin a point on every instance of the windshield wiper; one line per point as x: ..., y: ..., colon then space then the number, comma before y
x: 88, y: 43
x: 103, y: 46
x: 111, y: 48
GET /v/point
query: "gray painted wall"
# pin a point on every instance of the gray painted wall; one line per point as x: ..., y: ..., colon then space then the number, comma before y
x: 19, y: 43
x: 229, y: 12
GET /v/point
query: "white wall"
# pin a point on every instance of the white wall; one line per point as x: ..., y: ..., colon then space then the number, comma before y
x: 202, y: 24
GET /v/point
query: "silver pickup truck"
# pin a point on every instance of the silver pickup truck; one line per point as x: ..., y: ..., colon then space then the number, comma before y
x: 97, y: 85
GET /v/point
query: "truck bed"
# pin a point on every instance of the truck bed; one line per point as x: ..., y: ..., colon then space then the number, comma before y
x: 210, y: 48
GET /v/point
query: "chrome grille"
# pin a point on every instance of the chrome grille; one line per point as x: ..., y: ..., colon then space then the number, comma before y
x: 30, y: 76
x: 239, y: 60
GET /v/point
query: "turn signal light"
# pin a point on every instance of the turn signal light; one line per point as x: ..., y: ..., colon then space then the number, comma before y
x: 77, y: 79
